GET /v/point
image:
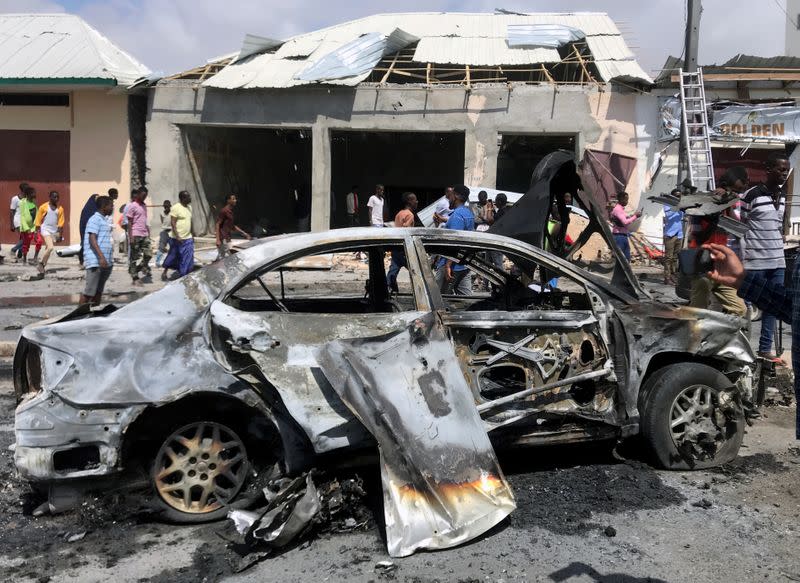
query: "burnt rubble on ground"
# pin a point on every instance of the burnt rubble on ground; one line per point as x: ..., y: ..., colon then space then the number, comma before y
x: 294, y: 510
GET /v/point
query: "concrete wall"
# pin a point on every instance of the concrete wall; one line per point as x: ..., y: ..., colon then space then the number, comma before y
x: 598, y: 116
x: 99, y: 147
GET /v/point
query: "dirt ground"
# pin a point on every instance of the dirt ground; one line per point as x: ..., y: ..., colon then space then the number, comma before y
x: 584, y: 514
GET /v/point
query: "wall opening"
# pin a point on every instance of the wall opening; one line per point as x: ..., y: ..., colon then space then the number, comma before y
x: 519, y: 155
x: 421, y: 162
x: 40, y: 158
x: 268, y: 169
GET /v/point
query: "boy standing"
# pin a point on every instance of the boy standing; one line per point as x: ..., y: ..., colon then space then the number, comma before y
x: 99, y: 249
x: 163, y: 235
x: 225, y: 225
x: 50, y: 225
x: 27, y: 224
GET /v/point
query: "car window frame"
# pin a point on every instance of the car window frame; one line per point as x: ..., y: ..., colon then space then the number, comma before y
x: 560, y: 267
x: 422, y: 300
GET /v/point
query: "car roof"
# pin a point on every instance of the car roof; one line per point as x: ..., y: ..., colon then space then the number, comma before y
x: 276, y: 247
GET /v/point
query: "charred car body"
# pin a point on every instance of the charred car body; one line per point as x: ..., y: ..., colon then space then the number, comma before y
x: 234, y: 363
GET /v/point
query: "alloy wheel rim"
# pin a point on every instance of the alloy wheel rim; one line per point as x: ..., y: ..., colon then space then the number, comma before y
x: 200, y: 467
x: 692, y: 414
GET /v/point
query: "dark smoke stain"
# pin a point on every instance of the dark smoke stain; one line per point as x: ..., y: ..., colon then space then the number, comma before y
x: 433, y: 388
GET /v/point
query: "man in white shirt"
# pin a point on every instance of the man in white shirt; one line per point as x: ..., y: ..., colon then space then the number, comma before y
x: 443, y: 210
x: 15, y: 220
x: 375, y: 206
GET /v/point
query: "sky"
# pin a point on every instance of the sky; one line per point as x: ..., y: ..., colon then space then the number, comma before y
x: 169, y: 36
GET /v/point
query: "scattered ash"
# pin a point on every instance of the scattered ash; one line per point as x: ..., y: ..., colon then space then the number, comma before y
x: 747, y: 466
x: 563, y: 500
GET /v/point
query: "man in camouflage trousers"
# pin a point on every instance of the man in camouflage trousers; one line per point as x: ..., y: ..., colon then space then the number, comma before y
x: 141, y: 249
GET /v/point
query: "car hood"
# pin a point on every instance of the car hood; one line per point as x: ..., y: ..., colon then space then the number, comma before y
x: 657, y: 327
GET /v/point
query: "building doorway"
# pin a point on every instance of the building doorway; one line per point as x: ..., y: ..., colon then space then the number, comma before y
x: 421, y: 162
x: 520, y: 153
x: 268, y: 169
x: 40, y: 158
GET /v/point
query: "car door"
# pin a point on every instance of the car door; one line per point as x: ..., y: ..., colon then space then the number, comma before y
x: 278, y: 318
x: 518, y: 335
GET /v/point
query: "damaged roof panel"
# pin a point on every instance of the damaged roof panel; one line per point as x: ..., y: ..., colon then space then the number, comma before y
x: 357, y: 57
x: 445, y: 38
x: 612, y: 48
x: 622, y: 70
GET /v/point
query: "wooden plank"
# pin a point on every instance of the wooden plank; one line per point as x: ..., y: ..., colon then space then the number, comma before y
x: 548, y: 75
x: 584, y: 70
x: 745, y: 77
x: 389, y: 70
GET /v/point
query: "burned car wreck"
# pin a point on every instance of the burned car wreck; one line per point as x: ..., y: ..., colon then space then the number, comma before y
x: 242, y: 365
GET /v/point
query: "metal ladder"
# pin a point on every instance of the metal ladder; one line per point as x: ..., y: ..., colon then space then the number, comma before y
x: 695, y: 138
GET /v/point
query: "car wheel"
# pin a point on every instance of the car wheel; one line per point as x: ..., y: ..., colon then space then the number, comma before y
x: 198, y: 472
x: 688, y: 421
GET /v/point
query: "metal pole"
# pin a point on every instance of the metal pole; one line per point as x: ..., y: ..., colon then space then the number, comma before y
x: 693, y: 11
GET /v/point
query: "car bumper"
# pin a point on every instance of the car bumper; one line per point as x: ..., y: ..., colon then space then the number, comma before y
x: 56, y: 440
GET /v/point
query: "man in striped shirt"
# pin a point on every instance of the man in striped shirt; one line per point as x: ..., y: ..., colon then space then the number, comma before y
x: 763, y: 207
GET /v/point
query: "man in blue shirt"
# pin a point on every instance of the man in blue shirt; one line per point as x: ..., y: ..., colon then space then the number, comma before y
x: 88, y: 211
x: 455, y: 278
x: 98, y: 251
x: 673, y: 239
x: 758, y: 289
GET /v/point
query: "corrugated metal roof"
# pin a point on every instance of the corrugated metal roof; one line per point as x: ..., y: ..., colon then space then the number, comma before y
x: 621, y: 70
x: 254, y: 44
x: 445, y: 38
x: 479, y: 51
x: 61, y: 46
x: 609, y: 48
x: 542, y: 35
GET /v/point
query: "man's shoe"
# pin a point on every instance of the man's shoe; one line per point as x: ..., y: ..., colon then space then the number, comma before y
x: 136, y: 282
x: 40, y: 268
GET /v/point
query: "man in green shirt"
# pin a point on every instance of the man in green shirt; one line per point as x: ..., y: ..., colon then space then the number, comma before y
x: 27, y: 225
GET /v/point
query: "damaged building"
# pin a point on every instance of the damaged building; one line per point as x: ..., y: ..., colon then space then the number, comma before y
x: 413, y: 101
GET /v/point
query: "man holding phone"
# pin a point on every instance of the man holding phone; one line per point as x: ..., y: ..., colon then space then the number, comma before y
x: 704, y: 230
x: 772, y: 297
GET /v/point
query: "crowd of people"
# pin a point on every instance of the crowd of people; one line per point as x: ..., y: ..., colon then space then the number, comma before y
x: 761, y: 209
x: 453, y: 211
x: 42, y: 225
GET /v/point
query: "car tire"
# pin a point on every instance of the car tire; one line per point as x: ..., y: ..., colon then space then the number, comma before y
x: 199, y: 471
x: 682, y: 400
